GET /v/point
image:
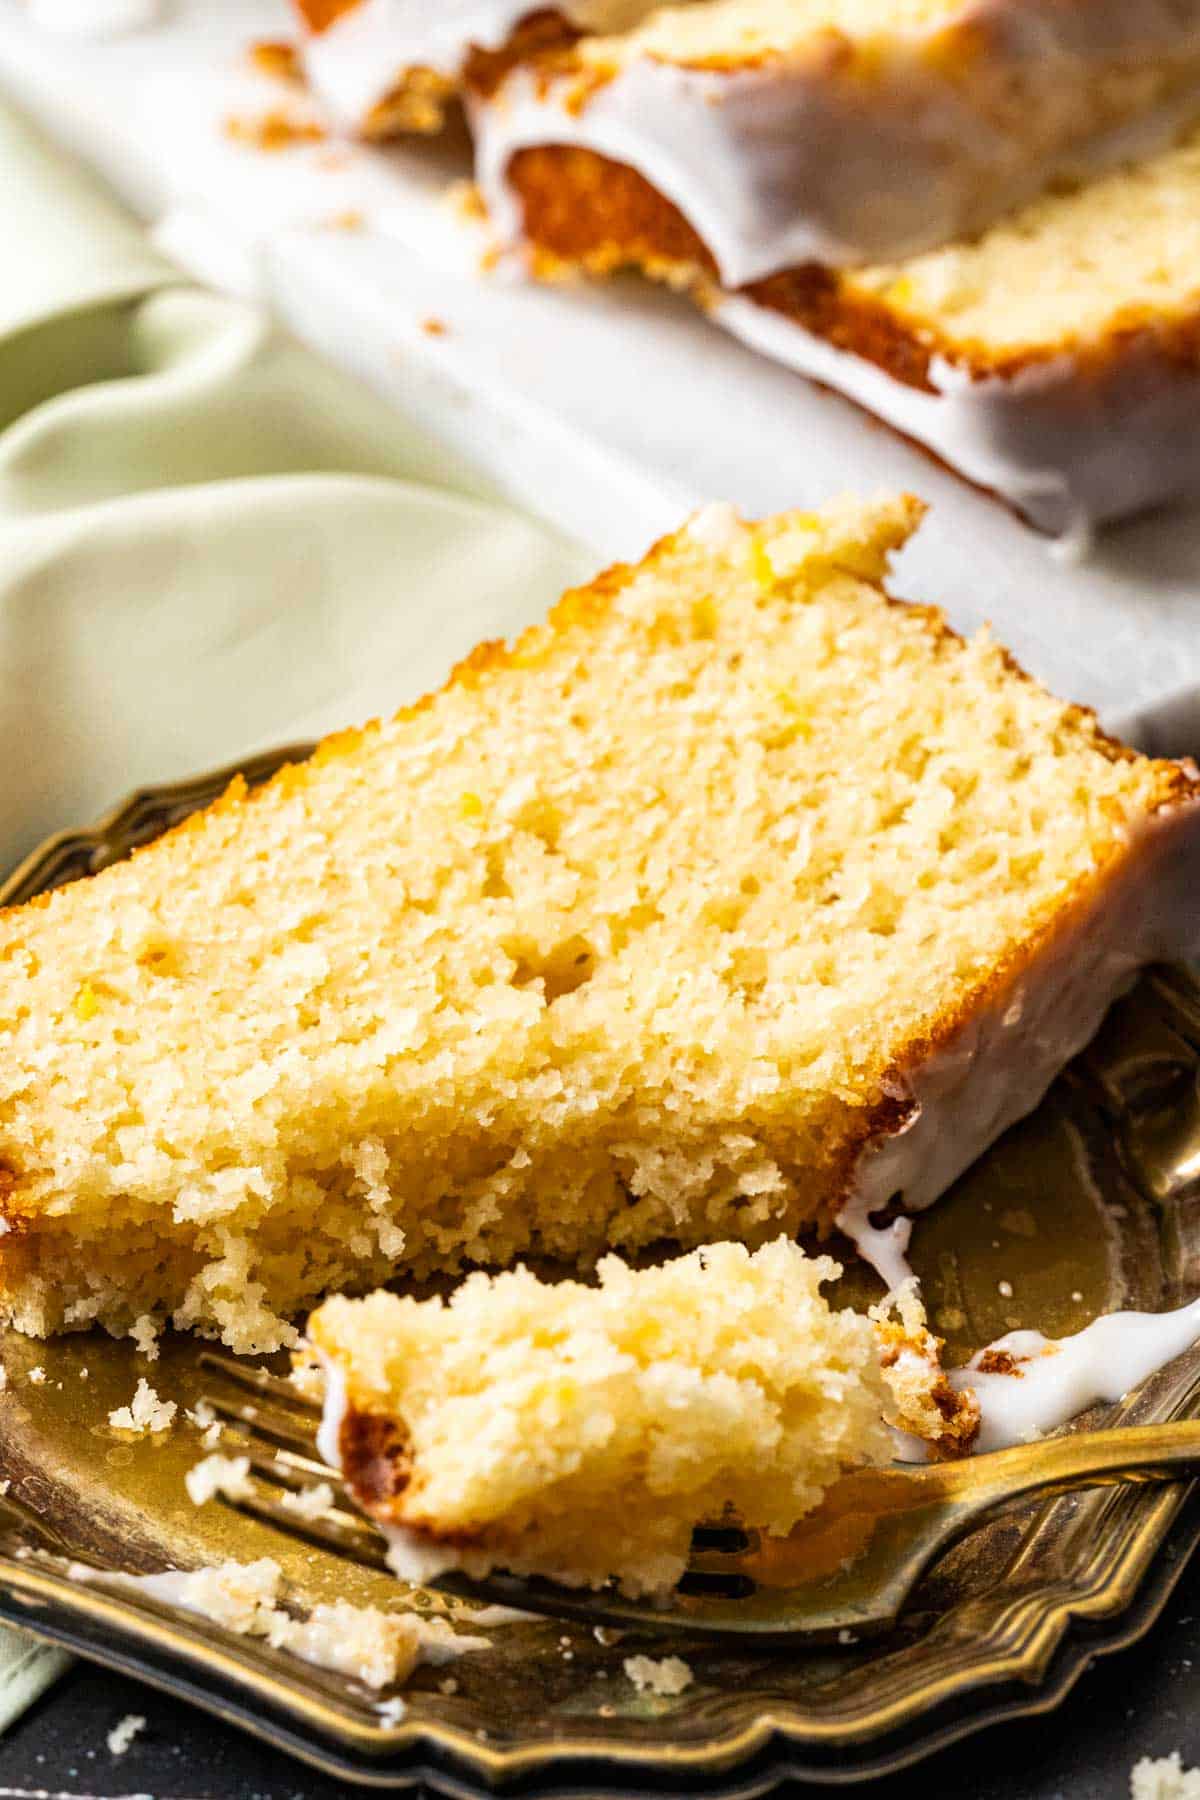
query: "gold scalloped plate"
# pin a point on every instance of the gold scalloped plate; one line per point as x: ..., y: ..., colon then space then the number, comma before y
x: 1092, y: 1202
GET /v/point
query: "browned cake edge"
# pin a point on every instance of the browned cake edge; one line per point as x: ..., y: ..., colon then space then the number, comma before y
x: 583, y: 211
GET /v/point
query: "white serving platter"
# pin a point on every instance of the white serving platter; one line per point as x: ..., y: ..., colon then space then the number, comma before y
x: 610, y: 410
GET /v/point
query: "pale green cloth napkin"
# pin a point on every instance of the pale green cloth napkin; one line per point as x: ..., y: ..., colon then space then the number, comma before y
x: 210, y: 540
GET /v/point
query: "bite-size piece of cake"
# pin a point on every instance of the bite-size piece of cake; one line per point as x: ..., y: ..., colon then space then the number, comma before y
x: 736, y: 900
x: 845, y: 131
x: 581, y: 1432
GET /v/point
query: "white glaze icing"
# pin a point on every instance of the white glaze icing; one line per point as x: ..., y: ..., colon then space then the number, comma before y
x: 356, y: 62
x: 885, y: 1247
x: 1055, y: 1379
x: 333, y: 1411
x: 1066, y: 451
x: 791, y: 161
x: 996, y: 1067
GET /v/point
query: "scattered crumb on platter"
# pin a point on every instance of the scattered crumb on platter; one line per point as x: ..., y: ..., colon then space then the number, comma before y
x: 670, y: 1675
x: 363, y: 1642
x: 124, y: 1732
x: 274, y: 130
x: 145, y: 1412
x: 216, y: 1474
x: 1163, y: 1778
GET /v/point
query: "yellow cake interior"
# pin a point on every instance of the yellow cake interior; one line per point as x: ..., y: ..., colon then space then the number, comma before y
x: 583, y: 1431
x: 620, y: 938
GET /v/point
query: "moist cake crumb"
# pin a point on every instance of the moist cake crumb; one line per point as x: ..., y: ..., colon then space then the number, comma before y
x: 144, y: 1332
x: 277, y: 59
x: 922, y: 1401
x: 226, y: 1475
x: 670, y: 1675
x: 363, y: 1642
x: 1163, y: 1778
x: 308, y: 1502
x: 145, y: 1412
x: 124, y: 1732
x: 274, y: 130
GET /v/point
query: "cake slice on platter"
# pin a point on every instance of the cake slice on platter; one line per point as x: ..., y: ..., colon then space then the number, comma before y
x: 389, y: 67
x: 582, y: 1432
x: 846, y: 131
x: 735, y: 901
x: 1054, y: 360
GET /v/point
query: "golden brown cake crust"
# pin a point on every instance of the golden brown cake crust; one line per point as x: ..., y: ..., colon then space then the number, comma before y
x: 584, y: 211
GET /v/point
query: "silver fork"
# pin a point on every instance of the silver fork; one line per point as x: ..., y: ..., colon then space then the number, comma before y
x: 849, y: 1568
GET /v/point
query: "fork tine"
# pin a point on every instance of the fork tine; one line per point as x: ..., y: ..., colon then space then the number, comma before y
x: 259, y: 1381
x: 269, y: 1421
x: 280, y: 1441
x: 289, y: 1470
x: 346, y: 1534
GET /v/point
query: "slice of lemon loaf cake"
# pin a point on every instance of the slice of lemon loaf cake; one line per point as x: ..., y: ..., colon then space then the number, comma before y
x: 385, y: 67
x: 581, y: 1432
x: 1054, y: 360
x: 738, y: 898
x: 786, y: 131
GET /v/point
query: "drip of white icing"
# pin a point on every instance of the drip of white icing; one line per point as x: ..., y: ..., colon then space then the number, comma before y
x: 997, y: 1066
x: 884, y: 1247
x: 1066, y: 450
x: 356, y: 62
x: 1054, y: 1379
x: 790, y: 161
x: 333, y: 1411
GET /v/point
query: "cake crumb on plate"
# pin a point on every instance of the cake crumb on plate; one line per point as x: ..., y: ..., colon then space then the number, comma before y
x: 227, y: 1475
x: 145, y: 1412
x: 1163, y: 1778
x: 670, y: 1675
x: 144, y: 1332
x: 124, y: 1732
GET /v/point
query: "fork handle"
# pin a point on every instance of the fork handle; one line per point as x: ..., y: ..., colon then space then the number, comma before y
x: 1060, y: 1464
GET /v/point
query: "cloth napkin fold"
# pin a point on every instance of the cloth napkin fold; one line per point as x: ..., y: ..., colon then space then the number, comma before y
x: 210, y: 540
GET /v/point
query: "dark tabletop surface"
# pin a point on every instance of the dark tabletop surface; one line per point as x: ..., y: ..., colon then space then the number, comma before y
x: 1138, y: 1702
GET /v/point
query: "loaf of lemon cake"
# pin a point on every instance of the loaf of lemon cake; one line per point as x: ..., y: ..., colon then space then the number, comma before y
x: 738, y: 898
x: 582, y: 1432
x: 788, y: 131
x: 1054, y: 360
x: 386, y: 67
